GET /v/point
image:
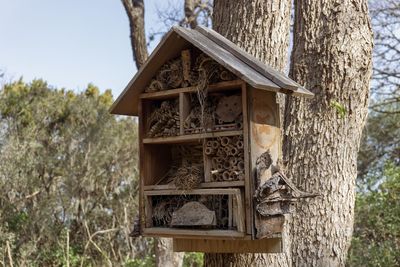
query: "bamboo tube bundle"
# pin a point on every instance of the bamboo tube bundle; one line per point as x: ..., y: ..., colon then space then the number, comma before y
x: 227, y: 158
x: 225, y: 175
x: 240, y: 165
x: 232, y: 162
x: 224, y: 141
x: 208, y: 151
x: 239, y: 144
x: 215, y: 144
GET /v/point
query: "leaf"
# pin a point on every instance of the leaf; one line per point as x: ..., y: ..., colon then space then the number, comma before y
x: 341, y: 110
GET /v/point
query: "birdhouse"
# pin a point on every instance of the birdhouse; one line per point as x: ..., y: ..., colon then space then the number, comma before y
x: 210, y: 144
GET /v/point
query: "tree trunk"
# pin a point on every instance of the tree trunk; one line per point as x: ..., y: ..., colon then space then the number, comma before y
x: 332, y: 58
x: 190, y: 16
x: 262, y: 29
x: 135, y: 11
x: 165, y: 256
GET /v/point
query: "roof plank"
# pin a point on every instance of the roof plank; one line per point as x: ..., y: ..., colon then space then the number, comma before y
x: 227, y: 60
x: 276, y: 76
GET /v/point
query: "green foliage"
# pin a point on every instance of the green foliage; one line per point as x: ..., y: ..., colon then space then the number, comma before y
x: 341, y: 110
x: 148, y: 261
x: 376, y: 240
x: 66, y: 166
x: 380, y: 143
x: 193, y: 259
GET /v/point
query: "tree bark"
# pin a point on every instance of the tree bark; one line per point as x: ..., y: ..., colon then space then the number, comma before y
x: 135, y: 11
x: 262, y: 29
x: 190, y: 16
x: 332, y: 58
x: 165, y: 256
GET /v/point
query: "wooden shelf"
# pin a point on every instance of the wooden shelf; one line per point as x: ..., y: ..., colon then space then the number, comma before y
x: 184, y: 233
x: 228, y: 85
x: 189, y: 137
x: 171, y: 186
x: 225, y: 191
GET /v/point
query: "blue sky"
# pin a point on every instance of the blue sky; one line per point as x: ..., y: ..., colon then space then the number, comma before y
x: 70, y: 43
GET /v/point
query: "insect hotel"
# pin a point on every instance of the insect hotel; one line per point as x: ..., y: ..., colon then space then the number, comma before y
x: 210, y: 142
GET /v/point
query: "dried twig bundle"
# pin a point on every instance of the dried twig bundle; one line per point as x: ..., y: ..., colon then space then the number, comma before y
x: 164, y: 121
x: 188, y: 177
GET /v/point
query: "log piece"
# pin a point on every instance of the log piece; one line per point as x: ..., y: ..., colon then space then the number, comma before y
x: 229, y: 108
x: 193, y: 214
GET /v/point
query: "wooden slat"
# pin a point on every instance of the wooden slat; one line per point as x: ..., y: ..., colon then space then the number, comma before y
x: 230, y: 211
x: 189, y: 137
x: 202, y: 185
x: 184, y: 110
x: 276, y: 76
x: 220, y: 191
x: 270, y: 245
x: 185, y: 233
x: 227, y: 85
x: 148, y: 211
x: 240, y: 215
x: 207, y: 165
x: 265, y: 135
x: 247, y: 174
x: 141, y: 167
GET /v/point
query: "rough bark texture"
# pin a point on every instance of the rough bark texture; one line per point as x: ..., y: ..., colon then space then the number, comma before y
x: 332, y: 58
x: 261, y: 28
x: 135, y: 11
x: 165, y: 256
x: 190, y: 16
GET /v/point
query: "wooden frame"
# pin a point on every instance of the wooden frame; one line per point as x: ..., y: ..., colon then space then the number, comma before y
x: 241, y: 192
x: 236, y: 213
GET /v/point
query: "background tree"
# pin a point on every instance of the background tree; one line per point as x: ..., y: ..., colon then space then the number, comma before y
x: 382, y: 138
x: 376, y: 240
x: 68, y: 178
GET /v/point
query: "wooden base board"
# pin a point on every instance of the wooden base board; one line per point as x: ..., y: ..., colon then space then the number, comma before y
x: 266, y: 245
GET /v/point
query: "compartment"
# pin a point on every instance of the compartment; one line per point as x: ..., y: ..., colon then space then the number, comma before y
x: 200, y: 209
x: 208, y: 112
x: 178, y: 164
x: 191, y: 68
x: 162, y: 117
x: 224, y: 159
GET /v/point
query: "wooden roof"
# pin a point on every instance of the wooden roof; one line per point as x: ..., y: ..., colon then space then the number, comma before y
x: 226, y: 53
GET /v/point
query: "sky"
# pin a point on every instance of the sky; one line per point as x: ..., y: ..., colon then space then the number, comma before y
x: 70, y: 43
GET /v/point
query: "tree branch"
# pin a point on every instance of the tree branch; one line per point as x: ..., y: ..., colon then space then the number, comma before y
x: 135, y: 11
